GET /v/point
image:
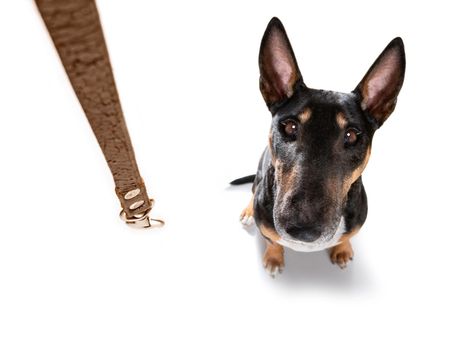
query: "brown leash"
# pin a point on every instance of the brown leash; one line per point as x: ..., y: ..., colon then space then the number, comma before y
x: 75, y: 28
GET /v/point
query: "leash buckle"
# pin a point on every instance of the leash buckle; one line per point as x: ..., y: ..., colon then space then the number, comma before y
x: 142, y: 220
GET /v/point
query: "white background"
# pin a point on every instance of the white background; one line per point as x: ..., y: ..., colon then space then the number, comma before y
x: 73, y: 276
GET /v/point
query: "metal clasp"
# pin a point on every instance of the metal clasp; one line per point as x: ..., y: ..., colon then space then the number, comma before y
x: 142, y: 220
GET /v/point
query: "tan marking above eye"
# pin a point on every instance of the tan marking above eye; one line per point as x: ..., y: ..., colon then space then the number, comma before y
x: 305, y: 115
x: 341, y: 120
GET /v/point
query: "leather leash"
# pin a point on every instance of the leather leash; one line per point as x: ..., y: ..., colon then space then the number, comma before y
x: 75, y: 28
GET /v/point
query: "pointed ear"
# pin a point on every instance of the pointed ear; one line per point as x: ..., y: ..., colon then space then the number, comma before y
x: 278, y: 67
x: 379, y: 88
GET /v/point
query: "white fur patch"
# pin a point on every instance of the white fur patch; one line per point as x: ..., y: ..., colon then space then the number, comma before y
x: 319, y: 244
x: 247, y: 220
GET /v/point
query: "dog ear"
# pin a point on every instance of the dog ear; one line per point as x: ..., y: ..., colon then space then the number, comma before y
x: 279, y: 72
x: 379, y: 88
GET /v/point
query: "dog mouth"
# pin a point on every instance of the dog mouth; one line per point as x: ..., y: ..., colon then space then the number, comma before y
x: 325, y: 241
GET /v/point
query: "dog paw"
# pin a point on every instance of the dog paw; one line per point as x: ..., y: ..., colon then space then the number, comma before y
x: 246, y: 217
x: 273, y: 267
x: 247, y: 220
x: 342, y: 254
x: 273, y: 260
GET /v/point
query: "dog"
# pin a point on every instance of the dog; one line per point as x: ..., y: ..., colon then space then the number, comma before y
x: 308, y: 193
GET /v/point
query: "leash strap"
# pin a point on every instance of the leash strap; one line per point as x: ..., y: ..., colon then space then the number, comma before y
x: 75, y: 28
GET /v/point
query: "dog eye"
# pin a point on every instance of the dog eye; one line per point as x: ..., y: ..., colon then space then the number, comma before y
x: 290, y: 127
x: 351, y: 137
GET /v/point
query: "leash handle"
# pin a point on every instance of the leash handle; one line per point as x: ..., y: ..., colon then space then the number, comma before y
x: 75, y: 29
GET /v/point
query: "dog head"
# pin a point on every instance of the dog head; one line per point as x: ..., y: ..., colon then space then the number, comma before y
x: 320, y: 141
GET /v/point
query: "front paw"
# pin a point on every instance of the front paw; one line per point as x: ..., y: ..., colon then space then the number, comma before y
x: 342, y: 254
x: 246, y: 217
x: 273, y: 259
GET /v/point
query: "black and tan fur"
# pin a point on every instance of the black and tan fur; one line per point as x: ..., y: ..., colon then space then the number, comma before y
x: 308, y: 193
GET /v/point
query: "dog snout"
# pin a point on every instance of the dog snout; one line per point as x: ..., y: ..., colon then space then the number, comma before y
x: 304, y: 234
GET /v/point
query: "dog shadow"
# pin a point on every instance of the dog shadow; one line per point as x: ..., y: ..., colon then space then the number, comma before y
x: 314, y: 269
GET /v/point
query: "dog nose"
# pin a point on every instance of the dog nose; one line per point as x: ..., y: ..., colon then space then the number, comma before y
x: 304, y: 234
